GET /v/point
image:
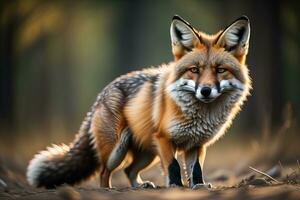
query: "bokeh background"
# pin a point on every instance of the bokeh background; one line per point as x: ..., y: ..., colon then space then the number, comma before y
x: 56, y: 56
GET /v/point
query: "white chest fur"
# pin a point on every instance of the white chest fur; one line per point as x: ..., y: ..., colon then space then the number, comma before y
x: 203, y: 122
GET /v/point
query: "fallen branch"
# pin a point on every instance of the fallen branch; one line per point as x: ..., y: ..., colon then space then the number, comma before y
x: 267, y: 175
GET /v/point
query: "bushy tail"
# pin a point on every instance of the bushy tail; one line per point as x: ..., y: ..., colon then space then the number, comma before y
x: 64, y: 164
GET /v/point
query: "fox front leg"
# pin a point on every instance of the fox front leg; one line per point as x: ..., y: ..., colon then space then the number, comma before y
x: 170, y: 164
x: 193, y: 167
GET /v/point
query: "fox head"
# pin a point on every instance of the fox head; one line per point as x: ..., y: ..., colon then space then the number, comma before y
x: 208, y: 66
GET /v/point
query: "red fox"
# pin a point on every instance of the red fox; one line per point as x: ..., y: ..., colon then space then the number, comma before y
x: 183, y: 106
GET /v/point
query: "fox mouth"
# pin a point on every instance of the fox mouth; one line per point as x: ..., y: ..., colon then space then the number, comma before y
x: 207, y: 99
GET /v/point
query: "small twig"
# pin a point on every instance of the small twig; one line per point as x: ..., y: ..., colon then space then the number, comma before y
x: 298, y: 165
x: 260, y: 172
x: 281, y: 167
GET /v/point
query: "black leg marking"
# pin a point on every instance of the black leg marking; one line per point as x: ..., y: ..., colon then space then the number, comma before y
x: 174, y: 173
x: 197, y: 174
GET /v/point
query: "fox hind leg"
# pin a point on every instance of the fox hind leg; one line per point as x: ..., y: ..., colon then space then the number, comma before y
x: 120, y: 150
x: 141, y: 159
x: 105, y: 175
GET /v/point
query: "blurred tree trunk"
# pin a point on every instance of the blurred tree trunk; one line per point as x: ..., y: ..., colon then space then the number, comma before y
x: 269, y: 70
x: 267, y: 100
x: 9, y: 33
x: 277, y: 77
x: 7, y: 67
x: 67, y: 89
x: 127, y: 32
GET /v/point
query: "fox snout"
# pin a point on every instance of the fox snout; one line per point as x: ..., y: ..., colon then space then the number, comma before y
x: 207, y: 93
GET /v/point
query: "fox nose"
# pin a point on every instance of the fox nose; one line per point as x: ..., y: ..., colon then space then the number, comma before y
x: 205, y: 91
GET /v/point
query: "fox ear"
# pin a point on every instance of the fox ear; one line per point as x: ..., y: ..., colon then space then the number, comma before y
x: 235, y: 38
x: 183, y: 36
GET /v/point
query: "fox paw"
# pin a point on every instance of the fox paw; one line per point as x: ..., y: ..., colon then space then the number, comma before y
x: 147, y: 184
x: 202, y: 186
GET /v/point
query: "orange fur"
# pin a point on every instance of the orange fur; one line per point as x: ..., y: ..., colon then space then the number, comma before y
x: 104, y: 141
x: 138, y: 114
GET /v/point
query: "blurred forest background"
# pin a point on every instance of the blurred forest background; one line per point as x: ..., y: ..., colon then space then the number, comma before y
x: 56, y: 56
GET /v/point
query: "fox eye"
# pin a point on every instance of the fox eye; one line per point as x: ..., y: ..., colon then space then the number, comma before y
x: 220, y: 70
x: 194, y: 70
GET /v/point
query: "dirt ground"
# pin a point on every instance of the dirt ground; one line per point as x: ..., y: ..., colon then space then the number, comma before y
x: 227, y: 167
x: 279, y: 192
x: 258, y: 188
